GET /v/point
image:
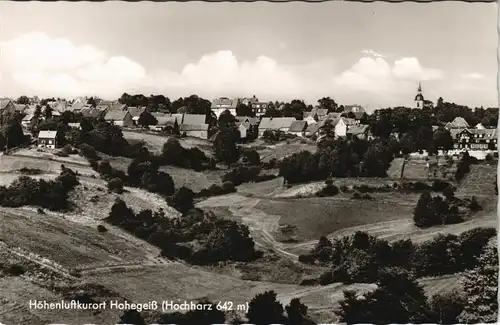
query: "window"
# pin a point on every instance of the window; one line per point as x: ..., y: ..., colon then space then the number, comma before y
x: 50, y: 141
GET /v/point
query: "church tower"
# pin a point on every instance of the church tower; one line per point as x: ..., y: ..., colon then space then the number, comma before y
x: 419, y: 99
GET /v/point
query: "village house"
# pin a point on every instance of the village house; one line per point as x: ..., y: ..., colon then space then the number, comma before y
x: 244, y: 128
x: 165, y: 121
x: 358, y: 131
x: 21, y: 108
x: 247, y: 119
x: 311, y: 117
x: 479, y: 126
x: 356, y: 110
x: 136, y: 112
x: 119, y: 118
x: 321, y: 113
x: 342, y: 124
x: 298, y: 128
x: 194, y: 125
x: 313, y: 129
x: 28, y: 121
x: 219, y: 105
x: 275, y: 124
x: 474, y: 139
x: 47, y: 139
x: 92, y: 112
x: 75, y: 126
x: 258, y: 107
x: 7, y: 105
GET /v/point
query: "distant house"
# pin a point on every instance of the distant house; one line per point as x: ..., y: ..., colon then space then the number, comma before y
x: 342, y: 124
x: 321, y: 113
x: 47, y: 139
x: 311, y: 117
x: 298, y: 128
x: 258, y: 107
x: 164, y: 121
x: 474, y: 139
x: 119, y: 118
x: 247, y: 119
x: 357, y: 110
x: 91, y: 112
x: 28, y: 121
x: 457, y: 123
x: 312, y: 129
x: 136, y: 112
x: 194, y: 125
x: 78, y: 106
x: 244, y: 129
x: 275, y: 124
x: 219, y: 105
x: 479, y: 126
x: 21, y: 108
x: 358, y: 131
x: 75, y: 126
x: 81, y: 99
x: 7, y: 105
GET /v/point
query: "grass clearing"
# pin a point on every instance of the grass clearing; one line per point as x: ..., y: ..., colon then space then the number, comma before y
x: 315, y: 217
x: 479, y: 181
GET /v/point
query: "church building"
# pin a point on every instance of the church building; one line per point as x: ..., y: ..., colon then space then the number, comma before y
x: 419, y: 99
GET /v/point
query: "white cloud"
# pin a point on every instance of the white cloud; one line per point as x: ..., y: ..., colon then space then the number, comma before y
x: 372, y: 53
x: 36, y: 64
x: 473, y: 76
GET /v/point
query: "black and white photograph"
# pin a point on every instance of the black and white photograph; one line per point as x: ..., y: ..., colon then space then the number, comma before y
x: 248, y: 163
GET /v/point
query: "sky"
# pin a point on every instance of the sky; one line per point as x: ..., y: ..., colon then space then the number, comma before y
x: 371, y: 54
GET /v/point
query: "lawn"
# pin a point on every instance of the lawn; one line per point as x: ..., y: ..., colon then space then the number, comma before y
x: 315, y: 217
x: 69, y: 245
x: 479, y: 181
x: 280, y: 150
x: 11, y: 163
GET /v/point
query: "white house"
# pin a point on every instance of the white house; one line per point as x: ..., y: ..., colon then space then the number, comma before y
x: 219, y: 105
x: 244, y: 128
x: 342, y: 125
x: 47, y: 139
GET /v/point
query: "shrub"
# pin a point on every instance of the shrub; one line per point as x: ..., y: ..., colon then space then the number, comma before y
x: 101, y: 228
x: 440, y: 186
x: 115, y: 185
x: 15, y: 270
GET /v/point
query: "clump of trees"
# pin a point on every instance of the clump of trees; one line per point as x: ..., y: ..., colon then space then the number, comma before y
x: 338, y: 158
x: 173, y: 153
x: 431, y: 211
x: 359, y: 258
x: 197, y: 237
x: 463, y: 166
x: 52, y: 194
x: 215, y: 190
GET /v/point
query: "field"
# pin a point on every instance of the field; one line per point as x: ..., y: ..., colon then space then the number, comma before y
x: 479, y: 181
x: 268, y: 151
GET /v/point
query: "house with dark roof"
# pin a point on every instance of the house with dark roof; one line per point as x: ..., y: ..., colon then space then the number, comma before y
x: 320, y: 112
x: 275, y: 124
x: 164, y: 121
x: 195, y: 125
x: 342, y: 124
x: 21, y: 108
x: 310, y: 117
x: 244, y: 128
x: 474, y: 139
x: 92, y: 112
x: 258, y: 107
x: 298, y: 128
x: 119, y: 118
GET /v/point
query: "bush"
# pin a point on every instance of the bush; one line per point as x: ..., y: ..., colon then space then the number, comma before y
x: 115, y: 185
x: 15, y: 270
x: 440, y: 186
x: 101, y: 228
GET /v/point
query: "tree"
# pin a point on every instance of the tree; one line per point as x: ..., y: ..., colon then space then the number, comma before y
x: 463, y: 167
x: 115, y: 185
x: 446, y: 307
x: 443, y: 139
x: 182, y: 200
x: 146, y: 119
x: 328, y: 103
x: 397, y: 291
x: 47, y: 112
x: 423, y: 215
x: 296, y: 312
x: 132, y: 317
x: 244, y: 110
x: 481, y: 289
x: 225, y: 146
x: 23, y: 100
x: 265, y: 309
x: 13, y: 133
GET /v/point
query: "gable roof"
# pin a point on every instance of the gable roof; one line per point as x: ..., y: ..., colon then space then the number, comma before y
x: 47, y: 134
x: 4, y: 103
x: 479, y: 126
x: 136, y: 111
x: 354, y: 109
x: 165, y: 120
x: 458, y: 122
x: 245, y: 125
x: 194, y: 119
x: 275, y: 123
x: 357, y: 129
x: 91, y: 112
x: 21, y: 107
x: 28, y: 117
x: 298, y: 126
x: 78, y: 106
x: 313, y: 128
x: 251, y: 120
x: 333, y: 115
x: 116, y: 115
x: 321, y: 112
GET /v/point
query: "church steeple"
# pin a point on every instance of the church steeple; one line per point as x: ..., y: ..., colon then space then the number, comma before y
x: 419, y: 99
